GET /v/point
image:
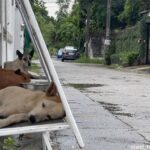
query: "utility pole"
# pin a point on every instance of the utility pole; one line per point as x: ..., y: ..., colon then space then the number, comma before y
x: 108, y: 21
x: 87, y: 34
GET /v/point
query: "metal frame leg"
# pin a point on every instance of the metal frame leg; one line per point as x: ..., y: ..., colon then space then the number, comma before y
x: 46, y: 141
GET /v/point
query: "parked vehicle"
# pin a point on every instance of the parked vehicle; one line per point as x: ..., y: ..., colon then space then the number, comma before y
x: 70, y: 53
x: 59, y: 53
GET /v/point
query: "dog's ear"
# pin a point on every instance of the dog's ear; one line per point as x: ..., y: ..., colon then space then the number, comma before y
x: 31, y: 53
x: 18, y: 72
x: 20, y: 55
x: 51, y: 91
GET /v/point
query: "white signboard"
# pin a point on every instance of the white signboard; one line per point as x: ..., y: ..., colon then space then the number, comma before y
x: 107, y: 42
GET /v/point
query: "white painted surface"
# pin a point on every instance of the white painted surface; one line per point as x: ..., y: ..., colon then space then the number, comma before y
x: 3, y: 45
x: 46, y: 140
x: 19, y: 32
x: 0, y: 32
x: 33, y: 129
x: 11, y: 37
x: 10, y: 30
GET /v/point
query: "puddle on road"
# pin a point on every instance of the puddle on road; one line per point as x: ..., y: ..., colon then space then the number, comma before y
x: 84, y: 86
x: 114, y: 109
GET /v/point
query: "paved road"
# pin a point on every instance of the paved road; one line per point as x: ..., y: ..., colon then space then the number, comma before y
x: 111, y: 107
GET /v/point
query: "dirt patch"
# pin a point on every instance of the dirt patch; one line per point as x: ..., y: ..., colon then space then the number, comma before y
x: 114, y: 109
x: 147, y: 71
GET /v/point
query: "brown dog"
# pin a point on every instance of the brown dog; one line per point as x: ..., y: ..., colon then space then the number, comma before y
x: 12, y: 78
x: 18, y: 104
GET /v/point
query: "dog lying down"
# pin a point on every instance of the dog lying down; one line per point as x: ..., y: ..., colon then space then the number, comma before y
x: 12, y: 78
x: 18, y: 105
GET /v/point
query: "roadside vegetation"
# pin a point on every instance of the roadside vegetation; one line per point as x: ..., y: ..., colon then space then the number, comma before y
x: 87, y: 21
x: 84, y: 59
x: 9, y: 144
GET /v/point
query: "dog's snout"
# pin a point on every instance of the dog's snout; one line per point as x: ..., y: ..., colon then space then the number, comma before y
x: 32, y: 119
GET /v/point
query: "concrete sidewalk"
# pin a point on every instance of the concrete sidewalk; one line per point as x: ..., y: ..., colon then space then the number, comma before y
x: 100, y: 129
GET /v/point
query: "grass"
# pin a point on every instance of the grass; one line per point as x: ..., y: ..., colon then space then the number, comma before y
x: 35, y: 68
x: 116, y: 66
x: 84, y: 59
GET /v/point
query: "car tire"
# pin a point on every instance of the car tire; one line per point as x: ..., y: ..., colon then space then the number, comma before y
x: 62, y: 60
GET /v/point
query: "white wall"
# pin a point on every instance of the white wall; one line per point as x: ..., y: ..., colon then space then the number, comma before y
x: 0, y: 32
x: 10, y: 30
x: 12, y: 37
x: 2, y: 22
x: 19, y: 32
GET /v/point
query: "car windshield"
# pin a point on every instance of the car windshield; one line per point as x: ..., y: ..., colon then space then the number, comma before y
x: 59, y: 52
x: 70, y: 48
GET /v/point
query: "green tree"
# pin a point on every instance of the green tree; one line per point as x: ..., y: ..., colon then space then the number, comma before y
x: 45, y: 22
x: 130, y: 15
x: 63, y: 7
x: 67, y: 32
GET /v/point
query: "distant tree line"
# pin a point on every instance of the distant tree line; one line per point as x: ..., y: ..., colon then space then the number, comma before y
x: 86, y: 17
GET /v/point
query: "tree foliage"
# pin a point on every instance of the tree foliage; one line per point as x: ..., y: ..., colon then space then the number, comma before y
x: 130, y: 14
x: 67, y: 32
x: 87, y: 17
x: 45, y: 22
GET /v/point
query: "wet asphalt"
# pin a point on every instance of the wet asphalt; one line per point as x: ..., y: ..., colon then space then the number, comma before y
x: 111, y: 109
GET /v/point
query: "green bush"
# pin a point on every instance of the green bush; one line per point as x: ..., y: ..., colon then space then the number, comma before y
x: 84, y: 59
x: 9, y: 144
x: 125, y: 59
x: 128, y: 46
x: 133, y: 58
x: 115, y: 59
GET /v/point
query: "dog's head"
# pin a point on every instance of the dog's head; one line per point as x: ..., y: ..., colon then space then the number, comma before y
x: 46, y: 110
x: 23, y: 76
x: 25, y: 58
x: 50, y: 107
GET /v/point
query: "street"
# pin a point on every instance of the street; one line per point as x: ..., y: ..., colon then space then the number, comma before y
x: 109, y: 97
x: 110, y: 107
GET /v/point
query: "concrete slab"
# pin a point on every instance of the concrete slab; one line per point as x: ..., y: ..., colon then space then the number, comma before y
x: 99, y: 128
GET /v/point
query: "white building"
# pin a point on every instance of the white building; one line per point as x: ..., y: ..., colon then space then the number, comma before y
x: 11, y: 31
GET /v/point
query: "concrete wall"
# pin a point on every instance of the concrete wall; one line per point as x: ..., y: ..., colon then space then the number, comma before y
x: 11, y: 37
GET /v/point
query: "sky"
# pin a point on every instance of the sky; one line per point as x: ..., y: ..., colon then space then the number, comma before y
x: 52, y: 7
